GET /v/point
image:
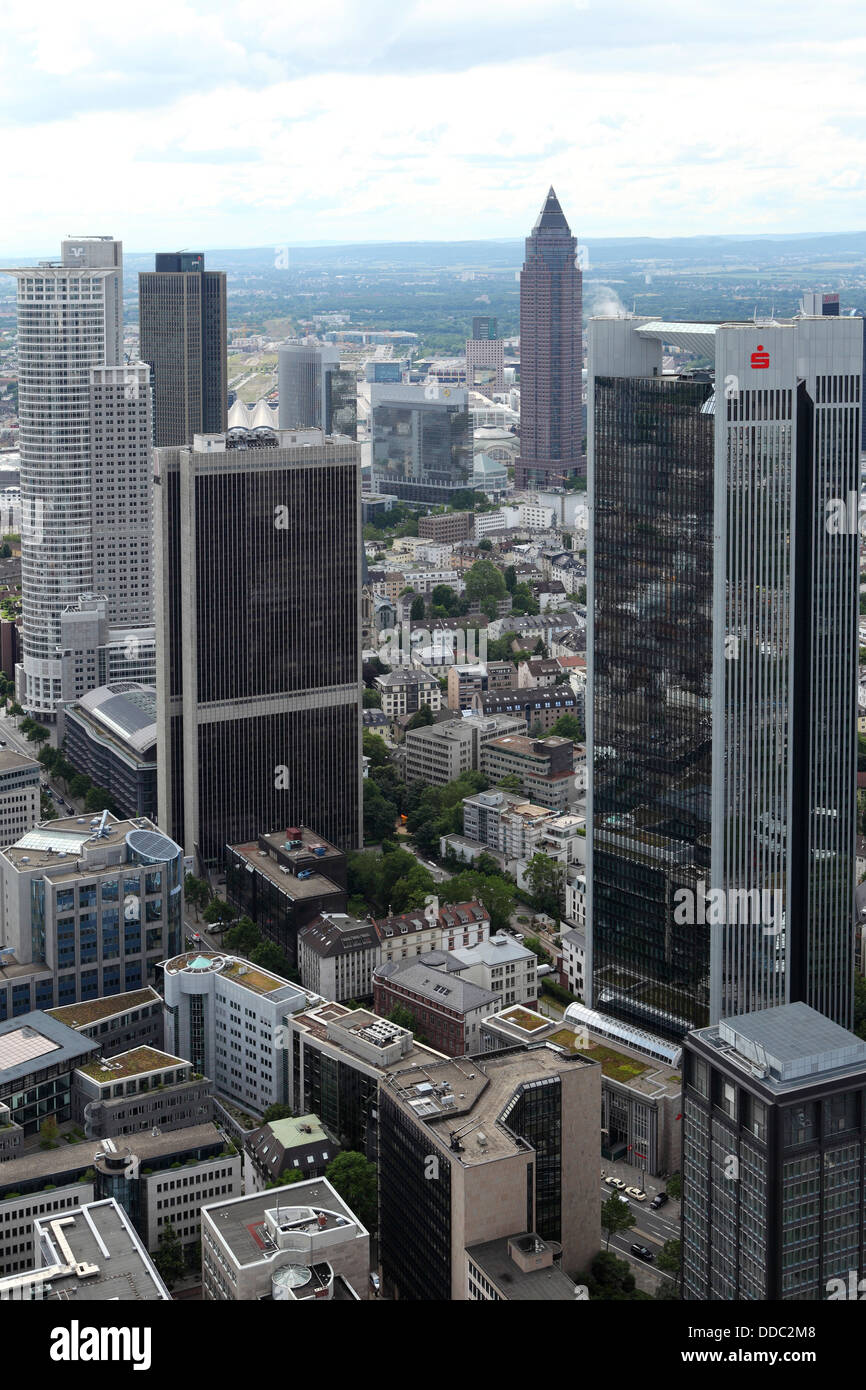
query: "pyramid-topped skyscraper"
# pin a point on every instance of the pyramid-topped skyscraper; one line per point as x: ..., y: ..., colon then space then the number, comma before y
x: 551, y: 354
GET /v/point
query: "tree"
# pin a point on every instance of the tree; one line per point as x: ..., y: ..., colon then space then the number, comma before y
x: 288, y: 1175
x: 568, y: 726
x: 48, y: 1132
x: 510, y: 578
x: 421, y: 718
x: 485, y: 544
x: 196, y: 892
x: 169, y: 1258
x: 380, y: 814
x: 354, y: 1177
x: 675, y: 1186
x: 494, y: 891
x: 418, y: 609
x: 372, y: 698
x: 269, y: 956
x: 616, y: 1216
x: 277, y: 1111
x: 485, y: 586
x: 37, y: 733
x: 533, y: 943
x: 376, y: 749
x: 546, y: 878
x: 79, y: 785
x: 463, y: 500
x: 218, y: 911
x: 670, y: 1260
x: 511, y: 782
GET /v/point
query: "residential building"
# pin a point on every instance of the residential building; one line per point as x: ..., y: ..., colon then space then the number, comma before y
x: 641, y: 1086
x: 462, y: 924
x: 534, y: 707
x: 481, y: 814
x: 421, y: 439
x: 513, y: 1137
x: 545, y: 767
x: 439, y: 753
x: 405, y: 691
x: 522, y: 826
x: 501, y: 965
x: 724, y: 732
x: 19, y: 794
x: 774, y: 1100
x: 336, y: 956
x: 573, y: 961
x: 111, y: 738
x: 465, y: 682
x: 225, y: 1015
x: 539, y: 673
x: 289, y: 1244
x: 551, y: 353
x: 298, y: 1145
x: 446, y: 1007
x: 182, y: 320
x: 87, y: 910
x: 285, y: 880
x: 267, y: 731
x: 447, y: 526
x: 335, y: 1059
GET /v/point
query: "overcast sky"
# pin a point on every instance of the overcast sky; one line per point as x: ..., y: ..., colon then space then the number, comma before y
x: 191, y: 123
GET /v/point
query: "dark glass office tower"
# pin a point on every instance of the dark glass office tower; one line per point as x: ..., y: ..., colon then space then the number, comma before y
x: 485, y: 327
x: 551, y: 354
x: 258, y: 656
x: 182, y: 318
x: 315, y: 391
x: 422, y: 441
x: 652, y: 688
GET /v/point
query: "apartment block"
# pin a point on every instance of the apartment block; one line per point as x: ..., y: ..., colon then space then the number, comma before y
x: 405, y: 691
x: 336, y: 956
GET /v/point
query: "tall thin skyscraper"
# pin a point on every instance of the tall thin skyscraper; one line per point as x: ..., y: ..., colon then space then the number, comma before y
x: 183, y: 337
x: 315, y: 391
x: 69, y: 331
x: 258, y: 663
x: 485, y: 357
x: 551, y: 353
x: 722, y: 657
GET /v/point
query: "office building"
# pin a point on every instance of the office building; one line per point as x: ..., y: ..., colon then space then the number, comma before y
x: 19, y: 794
x: 259, y: 663
x: 545, y: 767
x: 439, y: 753
x: 514, y: 1140
x: 336, y: 956
x: 405, y: 691
x: 225, y: 1014
x: 446, y: 1007
x: 38, y: 1056
x: 335, y: 1059
x: 551, y: 354
x: 87, y: 910
x: 289, y: 1244
x: 723, y: 597
x: 421, y: 440
x: 111, y: 737
x: 447, y: 526
x: 137, y: 1090
x: 91, y: 1253
x: 117, y: 1022
x: 773, y: 1136
x: 285, y: 880
x: 315, y: 392
x: 85, y: 464
x: 182, y: 323
x: 517, y: 1269
x: 485, y: 358
x: 94, y: 652
x: 827, y: 305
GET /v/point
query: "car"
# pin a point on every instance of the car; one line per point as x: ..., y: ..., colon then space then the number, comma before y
x: 659, y: 1200
x: 375, y: 1283
x: 636, y: 1193
x: 616, y: 1182
x: 641, y: 1252
x: 2, y: 743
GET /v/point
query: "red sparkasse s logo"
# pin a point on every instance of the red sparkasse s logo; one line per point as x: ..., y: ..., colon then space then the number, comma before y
x: 760, y: 358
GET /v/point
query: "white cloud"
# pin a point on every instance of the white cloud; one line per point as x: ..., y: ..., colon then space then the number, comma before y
x: 249, y: 125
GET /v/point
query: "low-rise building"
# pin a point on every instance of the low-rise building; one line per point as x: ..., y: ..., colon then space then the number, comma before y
x: 111, y: 737
x: 539, y: 708
x: 117, y: 1022
x: 545, y: 767
x: 38, y: 1057
x: 288, y: 1244
x: 298, y: 1145
x: 138, y: 1090
x: 447, y: 526
x: 336, y: 956
x: 439, y: 753
x: 503, y: 966
x: 521, y: 827
x: 406, y: 690
x: 517, y: 1269
x: 284, y: 880
x: 91, y: 1253
x: 447, y: 1008
x: 573, y: 961
x: 464, y: 683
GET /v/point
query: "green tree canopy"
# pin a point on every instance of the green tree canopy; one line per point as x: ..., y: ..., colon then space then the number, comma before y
x: 169, y: 1258
x: 616, y: 1216
x: 354, y: 1177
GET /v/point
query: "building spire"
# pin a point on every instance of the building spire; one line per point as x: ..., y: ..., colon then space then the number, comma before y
x: 551, y: 218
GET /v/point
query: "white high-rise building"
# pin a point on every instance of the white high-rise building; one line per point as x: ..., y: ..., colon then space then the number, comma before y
x: 85, y: 460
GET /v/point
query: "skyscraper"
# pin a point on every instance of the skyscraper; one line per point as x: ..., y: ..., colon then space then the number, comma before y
x: 85, y: 461
x: 421, y: 441
x: 551, y: 353
x: 485, y: 359
x: 258, y: 562
x: 315, y: 392
x: 182, y: 321
x: 723, y: 664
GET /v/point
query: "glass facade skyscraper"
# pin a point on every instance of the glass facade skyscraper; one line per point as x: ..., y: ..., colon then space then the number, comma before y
x: 421, y: 441
x: 183, y: 337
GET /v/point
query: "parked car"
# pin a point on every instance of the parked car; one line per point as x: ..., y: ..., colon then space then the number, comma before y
x: 659, y: 1200
x: 616, y: 1182
x: 641, y: 1252
x: 375, y: 1283
x: 636, y: 1192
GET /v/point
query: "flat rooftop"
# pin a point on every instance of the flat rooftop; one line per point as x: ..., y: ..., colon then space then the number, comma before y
x: 241, y: 1221
x: 31, y: 1042
x: 243, y: 972
x: 67, y: 839
x: 10, y: 761
x: 68, y: 1161
x: 550, y: 1284
x: 109, y: 1006
x: 101, y: 1236
x: 447, y: 1095
x: 786, y: 1047
x: 288, y: 883
x: 645, y: 1074
x: 137, y: 1062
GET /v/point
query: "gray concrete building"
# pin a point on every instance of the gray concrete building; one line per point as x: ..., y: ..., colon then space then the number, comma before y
x: 337, y: 955
x: 19, y: 794
x: 439, y: 753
